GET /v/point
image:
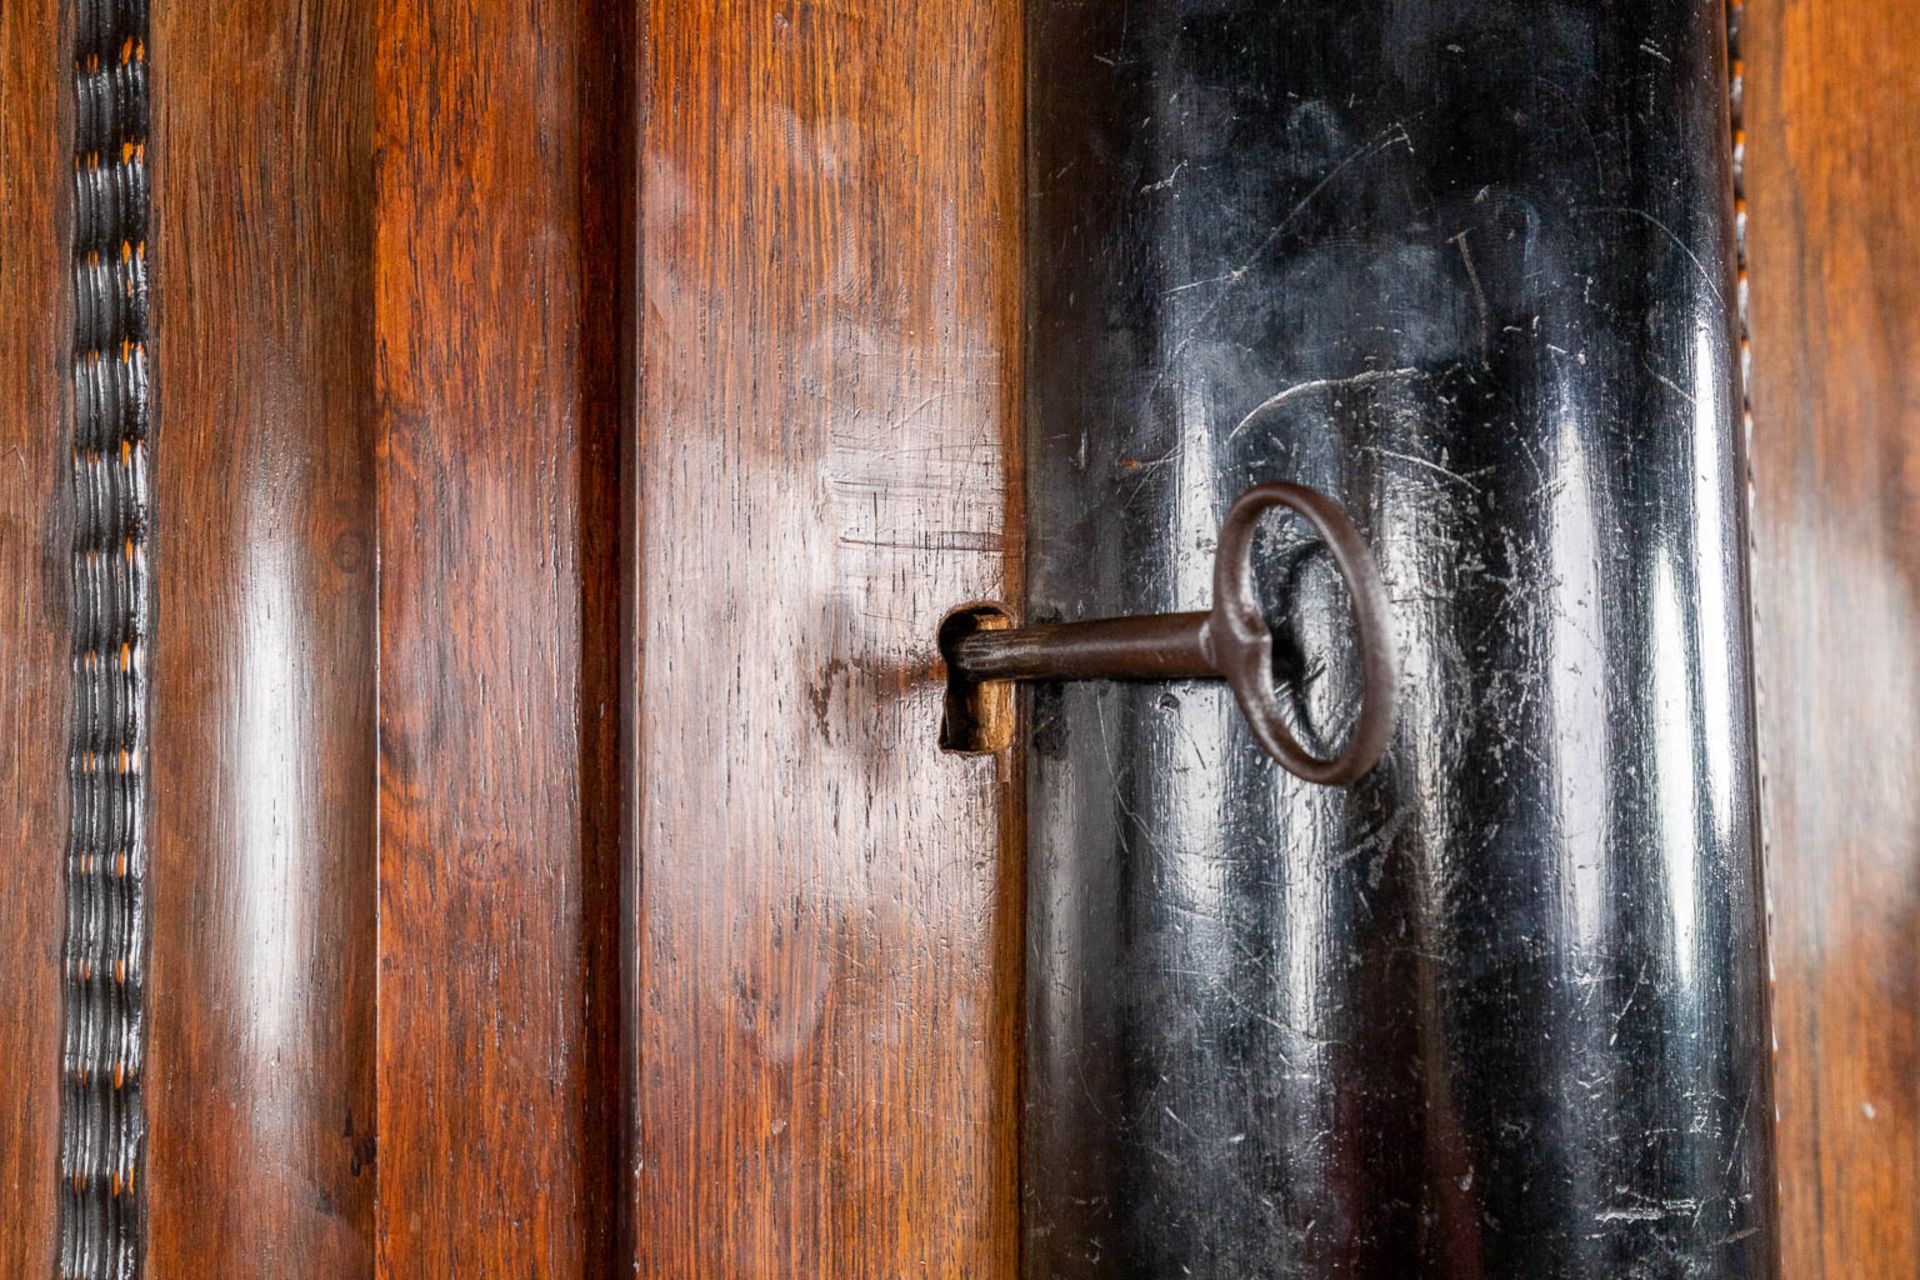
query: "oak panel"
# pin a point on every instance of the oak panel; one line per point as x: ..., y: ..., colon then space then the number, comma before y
x: 827, y: 912
x: 1834, y: 248
x: 35, y: 625
x: 497, y: 252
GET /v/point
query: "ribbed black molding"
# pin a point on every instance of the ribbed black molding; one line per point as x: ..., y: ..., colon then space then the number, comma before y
x: 102, y: 1125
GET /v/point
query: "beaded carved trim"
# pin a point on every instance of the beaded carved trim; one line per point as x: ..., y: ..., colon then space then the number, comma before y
x: 101, y: 1124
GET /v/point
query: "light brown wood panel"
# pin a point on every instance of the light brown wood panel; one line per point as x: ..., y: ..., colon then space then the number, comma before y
x: 828, y: 910
x: 1833, y: 164
x: 498, y: 255
x: 260, y: 1096
x: 35, y: 625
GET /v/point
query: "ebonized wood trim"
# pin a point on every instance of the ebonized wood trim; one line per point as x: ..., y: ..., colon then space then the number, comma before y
x: 102, y: 1118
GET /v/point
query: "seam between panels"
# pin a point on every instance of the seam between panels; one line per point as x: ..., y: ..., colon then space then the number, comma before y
x: 1737, y: 140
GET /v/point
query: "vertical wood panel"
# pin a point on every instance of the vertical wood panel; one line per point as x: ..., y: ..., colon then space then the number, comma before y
x: 828, y: 908
x: 261, y: 1103
x: 35, y: 628
x: 498, y: 1001
x: 1465, y: 267
x: 1834, y: 248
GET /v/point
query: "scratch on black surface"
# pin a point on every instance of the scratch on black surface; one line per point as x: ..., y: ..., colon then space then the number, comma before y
x: 1706, y: 276
x: 1321, y: 384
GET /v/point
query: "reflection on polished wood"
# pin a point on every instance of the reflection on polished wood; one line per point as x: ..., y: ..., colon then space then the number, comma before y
x: 1834, y: 246
x: 432, y: 374
x: 396, y: 1027
x: 35, y: 687
x: 828, y: 908
x: 261, y: 1104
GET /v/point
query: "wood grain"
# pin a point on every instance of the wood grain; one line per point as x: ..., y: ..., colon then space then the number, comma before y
x: 497, y: 257
x: 35, y: 628
x: 828, y: 911
x: 404, y: 334
x: 261, y: 1101
x: 1834, y: 248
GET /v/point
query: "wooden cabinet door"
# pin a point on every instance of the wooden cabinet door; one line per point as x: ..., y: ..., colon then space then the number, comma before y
x: 479, y: 483
x: 562, y: 426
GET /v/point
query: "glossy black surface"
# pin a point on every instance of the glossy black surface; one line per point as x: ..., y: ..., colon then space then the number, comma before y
x: 1499, y: 1009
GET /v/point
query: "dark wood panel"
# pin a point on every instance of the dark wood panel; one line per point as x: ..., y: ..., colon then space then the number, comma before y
x: 260, y: 1096
x: 1834, y: 240
x: 1497, y: 1009
x: 35, y: 626
x: 497, y: 255
x: 828, y: 915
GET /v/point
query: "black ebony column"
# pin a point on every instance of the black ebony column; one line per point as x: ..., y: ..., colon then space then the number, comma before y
x: 1499, y: 1009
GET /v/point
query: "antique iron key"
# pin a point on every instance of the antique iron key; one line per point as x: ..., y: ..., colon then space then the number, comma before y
x: 1230, y: 641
